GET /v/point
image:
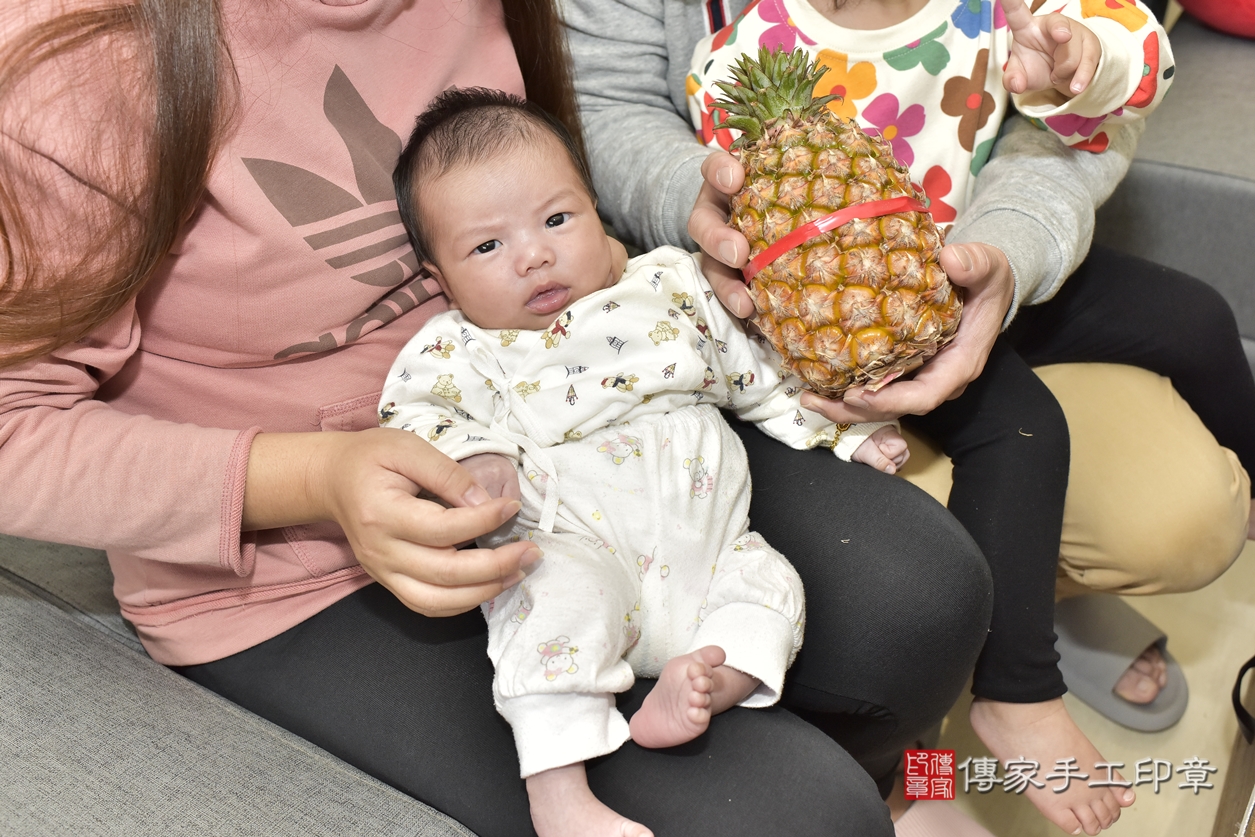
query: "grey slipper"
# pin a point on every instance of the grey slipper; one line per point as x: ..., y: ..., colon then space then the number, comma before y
x: 1099, y: 637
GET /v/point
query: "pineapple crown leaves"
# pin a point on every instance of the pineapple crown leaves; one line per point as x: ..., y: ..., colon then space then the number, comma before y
x: 766, y: 88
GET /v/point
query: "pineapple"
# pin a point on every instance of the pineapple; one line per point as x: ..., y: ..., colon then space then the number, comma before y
x: 858, y: 305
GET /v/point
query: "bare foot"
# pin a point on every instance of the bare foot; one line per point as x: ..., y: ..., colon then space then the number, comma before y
x: 1142, y: 681
x: 1045, y: 732
x: 691, y: 689
x: 1250, y: 523
x: 563, y: 806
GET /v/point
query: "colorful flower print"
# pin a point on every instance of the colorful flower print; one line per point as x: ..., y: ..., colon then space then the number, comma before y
x: 895, y: 127
x: 937, y: 185
x: 968, y: 99
x: 712, y: 116
x: 1097, y: 144
x: 727, y: 35
x: 925, y: 52
x: 1069, y: 124
x: 1145, y: 92
x: 981, y: 156
x: 1124, y: 12
x: 850, y: 83
x: 973, y: 17
x: 785, y: 33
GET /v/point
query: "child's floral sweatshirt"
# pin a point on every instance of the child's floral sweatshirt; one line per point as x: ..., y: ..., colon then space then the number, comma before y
x: 932, y: 84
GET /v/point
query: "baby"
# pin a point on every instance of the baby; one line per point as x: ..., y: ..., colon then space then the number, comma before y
x: 601, y: 388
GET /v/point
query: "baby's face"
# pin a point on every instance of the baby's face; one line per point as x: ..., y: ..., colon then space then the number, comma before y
x: 516, y: 239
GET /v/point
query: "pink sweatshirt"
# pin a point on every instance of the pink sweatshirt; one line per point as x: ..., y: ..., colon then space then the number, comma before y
x: 287, y: 297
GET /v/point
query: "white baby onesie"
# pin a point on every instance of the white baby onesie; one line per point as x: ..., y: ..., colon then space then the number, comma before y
x: 633, y: 486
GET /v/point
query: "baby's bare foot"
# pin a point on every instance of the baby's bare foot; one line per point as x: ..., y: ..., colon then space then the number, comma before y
x: 563, y: 806
x: 1045, y: 733
x: 678, y: 708
x: 1142, y: 681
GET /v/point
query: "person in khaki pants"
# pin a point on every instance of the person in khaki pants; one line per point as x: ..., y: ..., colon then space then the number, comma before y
x: 1142, y: 516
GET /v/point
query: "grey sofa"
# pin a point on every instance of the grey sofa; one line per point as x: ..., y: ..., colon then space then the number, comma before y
x: 97, y: 739
x: 1188, y: 201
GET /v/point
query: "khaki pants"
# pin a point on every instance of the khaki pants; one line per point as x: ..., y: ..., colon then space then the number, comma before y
x: 1154, y: 504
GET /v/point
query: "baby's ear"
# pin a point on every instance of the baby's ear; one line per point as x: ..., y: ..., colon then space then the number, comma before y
x: 618, y: 257
x: 431, y: 268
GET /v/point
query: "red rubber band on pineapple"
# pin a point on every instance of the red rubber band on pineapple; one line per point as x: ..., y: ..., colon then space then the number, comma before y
x: 804, y: 233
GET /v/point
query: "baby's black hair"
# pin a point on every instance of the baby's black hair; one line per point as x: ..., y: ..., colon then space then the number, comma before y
x: 468, y: 125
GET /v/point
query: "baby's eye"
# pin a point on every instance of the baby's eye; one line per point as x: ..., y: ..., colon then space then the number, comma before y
x: 488, y: 246
x: 557, y: 220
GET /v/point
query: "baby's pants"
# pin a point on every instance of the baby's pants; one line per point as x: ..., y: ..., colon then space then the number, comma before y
x: 651, y: 558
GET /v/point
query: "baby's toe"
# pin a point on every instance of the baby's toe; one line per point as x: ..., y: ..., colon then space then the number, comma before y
x: 1066, y: 820
x: 711, y: 655
x: 1136, y: 687
x: 1088, y: 819
x: 1106, y: 809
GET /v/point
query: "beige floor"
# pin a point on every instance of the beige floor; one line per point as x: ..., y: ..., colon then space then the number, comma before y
x: 1211, y: 633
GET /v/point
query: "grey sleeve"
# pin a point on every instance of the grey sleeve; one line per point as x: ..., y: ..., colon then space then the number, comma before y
x: 631, y: 58
x: 1035, y: 200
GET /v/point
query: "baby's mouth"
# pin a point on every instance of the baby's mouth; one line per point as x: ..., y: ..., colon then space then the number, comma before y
x: 548, y: 299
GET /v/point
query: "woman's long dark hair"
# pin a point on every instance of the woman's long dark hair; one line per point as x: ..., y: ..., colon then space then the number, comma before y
x: 190, y: 82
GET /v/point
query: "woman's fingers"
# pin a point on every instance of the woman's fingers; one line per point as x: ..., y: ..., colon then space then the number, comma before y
x: 842, y: 412
x: 407, y: 543
x: 455, y: 568
x: 708, y: 225
x: 729, y: 286
x: 722, y: 176
x: 430, y: 524
x: 723, y: 172
x: 984, y: 274
x: 431, y: 470
x: 724, y: 250
x: 447, y: 582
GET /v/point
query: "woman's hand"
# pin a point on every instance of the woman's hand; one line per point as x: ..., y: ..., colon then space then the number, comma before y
x: 984, y: 274
x: 368, y: 482
x: 724, y: 250
x: 981, y: 270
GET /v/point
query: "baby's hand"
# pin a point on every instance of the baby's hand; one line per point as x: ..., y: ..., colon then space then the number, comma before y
x: 885, y: 450
x: 495, y: 473
x: 1048, y: 52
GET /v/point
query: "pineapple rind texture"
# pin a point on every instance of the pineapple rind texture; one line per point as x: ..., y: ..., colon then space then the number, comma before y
x: 862, y: 303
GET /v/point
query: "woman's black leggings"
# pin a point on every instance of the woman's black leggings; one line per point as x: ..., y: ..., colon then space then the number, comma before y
x: 898, y: 601
x: 1008, y: 438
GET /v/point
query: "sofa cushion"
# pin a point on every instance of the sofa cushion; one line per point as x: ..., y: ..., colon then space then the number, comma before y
x: 1189, y: 197
x: 100, y: 740
x: 75, y: 579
